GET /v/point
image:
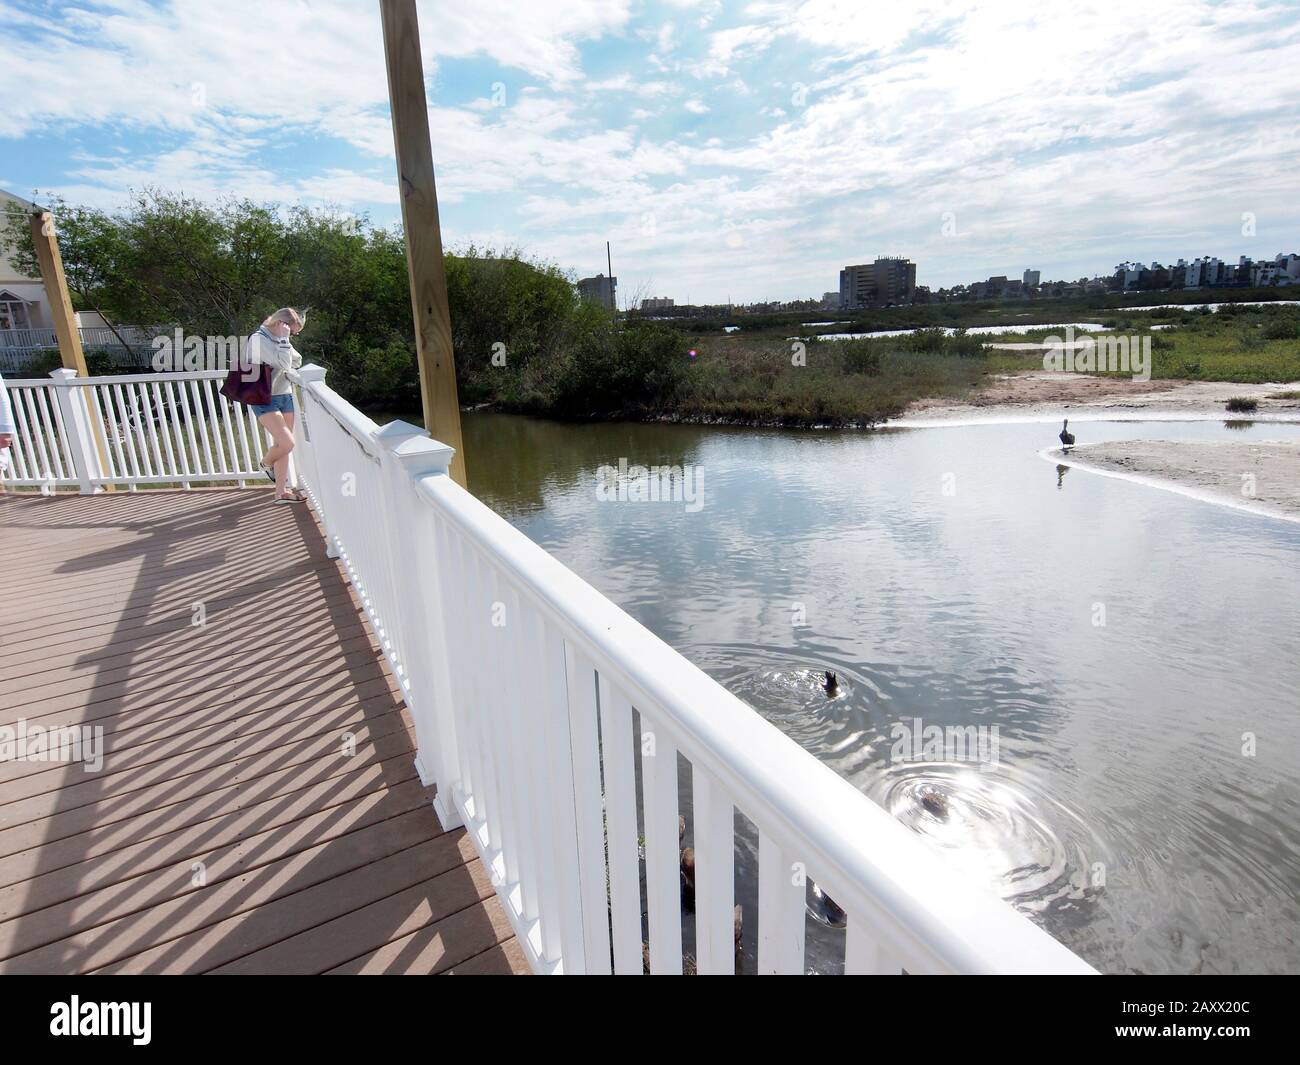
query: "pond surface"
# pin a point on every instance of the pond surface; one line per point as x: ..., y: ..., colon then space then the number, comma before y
x: 1127, y: 643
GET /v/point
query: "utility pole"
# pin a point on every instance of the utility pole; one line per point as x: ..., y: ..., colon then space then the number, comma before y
x: 410, y: 110
x: 609, y: 265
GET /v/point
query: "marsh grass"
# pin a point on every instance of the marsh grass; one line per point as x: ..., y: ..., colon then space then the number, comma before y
x: 842, y: 382
x: 1253, y: 345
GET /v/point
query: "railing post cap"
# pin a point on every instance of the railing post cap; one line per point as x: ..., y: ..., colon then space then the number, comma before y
x: 311, y: 372
x: 63, y: 373
x: 412, y: 446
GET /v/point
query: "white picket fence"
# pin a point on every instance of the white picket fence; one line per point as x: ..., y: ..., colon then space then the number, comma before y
x: 132, y: 430
x: 535, y: 701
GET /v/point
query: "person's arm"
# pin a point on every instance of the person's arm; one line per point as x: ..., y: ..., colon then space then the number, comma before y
x: 269, y: 353
x: 7, y: 429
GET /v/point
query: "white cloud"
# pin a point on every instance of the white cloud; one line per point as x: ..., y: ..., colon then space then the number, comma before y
x: 1055, y: 131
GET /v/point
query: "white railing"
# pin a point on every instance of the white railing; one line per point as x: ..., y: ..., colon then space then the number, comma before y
x: 94, y: 336
x: 132, y: 430
x: 535, y: 699
x: 127, y: 346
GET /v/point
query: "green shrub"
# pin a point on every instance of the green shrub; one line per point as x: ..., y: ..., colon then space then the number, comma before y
x: 609, y: 370
x: 930, y: 341
x: 1241, y: 404
x: 964, y: 345
x: 860, y: 356
x: 1283, y: 327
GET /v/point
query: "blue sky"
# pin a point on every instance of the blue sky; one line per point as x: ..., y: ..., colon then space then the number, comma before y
x: 727, y: 150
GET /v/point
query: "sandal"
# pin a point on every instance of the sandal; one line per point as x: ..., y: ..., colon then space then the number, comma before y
x: 270, y: 473
x: 294, y: 496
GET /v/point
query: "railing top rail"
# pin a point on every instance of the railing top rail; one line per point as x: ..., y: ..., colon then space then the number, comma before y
x: 361, y: 427
x: 801, y: 802
x: 118, y: 379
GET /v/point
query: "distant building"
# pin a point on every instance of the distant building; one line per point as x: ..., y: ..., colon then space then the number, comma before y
x: 1203, y: 272
x: 1127, y: 275
x: 599, y: 289
x: 1030, y: 280
x: 1283, y: 270
x: 877, y: 284
x: 830, y: 300
x: 23, y: 304
x: 656, y: 303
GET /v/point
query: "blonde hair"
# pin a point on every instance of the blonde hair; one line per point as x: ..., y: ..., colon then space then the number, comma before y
x: 288, y: 316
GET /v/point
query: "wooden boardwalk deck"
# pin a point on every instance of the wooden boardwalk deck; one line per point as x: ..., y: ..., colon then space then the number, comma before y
x: 231, y: 827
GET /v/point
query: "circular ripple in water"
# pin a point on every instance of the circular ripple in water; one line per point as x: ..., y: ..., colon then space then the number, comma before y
x: 1032, y: 850
x: 791, y: 691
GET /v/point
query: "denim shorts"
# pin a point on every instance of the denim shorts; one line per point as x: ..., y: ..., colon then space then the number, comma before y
x: 284, y: 404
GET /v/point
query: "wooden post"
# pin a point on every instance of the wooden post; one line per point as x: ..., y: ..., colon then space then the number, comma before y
x: 56, y: 292
x: 71, y: 355
x: 424, y: 261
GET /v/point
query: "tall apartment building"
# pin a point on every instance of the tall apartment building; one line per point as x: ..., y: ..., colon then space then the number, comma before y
x: 598, y: 289
x: 1283, y: 270
x: 877, y: 284
x: 1030, y: 279
x: 1204, y: 271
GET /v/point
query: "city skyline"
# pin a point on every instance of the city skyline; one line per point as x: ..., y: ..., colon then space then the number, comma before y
x: 743, y: 152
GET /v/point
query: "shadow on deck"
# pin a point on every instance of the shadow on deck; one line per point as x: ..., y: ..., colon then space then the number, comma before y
x: 257, y: 809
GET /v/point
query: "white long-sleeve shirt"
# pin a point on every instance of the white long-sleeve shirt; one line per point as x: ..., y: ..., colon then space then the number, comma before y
x: 6, y: 410
x: 267, y: 350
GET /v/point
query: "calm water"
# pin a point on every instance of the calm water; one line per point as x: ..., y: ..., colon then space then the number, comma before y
x: 952, y: 575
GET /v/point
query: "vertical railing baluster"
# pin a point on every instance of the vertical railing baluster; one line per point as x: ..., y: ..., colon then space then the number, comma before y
x: 620, y: 827
x: 137, y: 430
x: 715, y: 872
x: 206, y: 389
x: 164, y: 424
x: 589, y: 806
x: 520, y: 769
x: 662, y: 848
x: 201, y: 428
x: 123, y: 419
x: 864, y: 955
x: 151, y: 430
x: 781, y: 909
x: 116, y: 465
x: 181, y: 428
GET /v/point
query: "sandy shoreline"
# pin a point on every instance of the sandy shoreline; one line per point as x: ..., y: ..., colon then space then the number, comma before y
x: 1262, y: 477
x: 1041, y: 395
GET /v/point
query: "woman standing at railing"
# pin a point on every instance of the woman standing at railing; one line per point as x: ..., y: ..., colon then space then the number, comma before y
x: 270, y: 346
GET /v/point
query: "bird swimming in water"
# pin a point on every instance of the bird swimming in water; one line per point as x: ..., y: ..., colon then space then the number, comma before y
x: 1067, y: 437
x: 831, y: 685
x: 935, y: 801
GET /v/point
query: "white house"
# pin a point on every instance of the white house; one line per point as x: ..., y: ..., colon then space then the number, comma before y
x: 23, y: 304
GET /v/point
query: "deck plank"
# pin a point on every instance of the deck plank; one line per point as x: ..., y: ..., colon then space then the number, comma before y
x: 257, y: 810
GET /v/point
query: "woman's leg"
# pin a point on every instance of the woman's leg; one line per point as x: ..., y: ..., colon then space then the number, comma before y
x: 288, y: 421
x: 277, y: 456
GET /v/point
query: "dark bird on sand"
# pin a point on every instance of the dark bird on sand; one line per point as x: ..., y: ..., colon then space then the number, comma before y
x: 1067, y: 437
